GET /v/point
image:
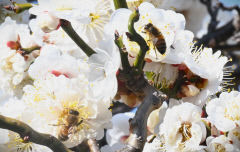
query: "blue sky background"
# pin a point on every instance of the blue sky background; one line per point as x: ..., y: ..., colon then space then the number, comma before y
x: 230, y: 2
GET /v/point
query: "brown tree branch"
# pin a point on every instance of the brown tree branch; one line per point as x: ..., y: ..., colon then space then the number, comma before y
x: 220, y: 5
x: 26, y: 131
x: 228, y: 47
x: 138, y: 125
x: 213, y: 12
x: 216, y: 36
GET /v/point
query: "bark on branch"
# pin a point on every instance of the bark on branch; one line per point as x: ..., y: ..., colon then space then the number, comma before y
x: 138, y: 125
x: 26, y: 131
x: 215, y: 36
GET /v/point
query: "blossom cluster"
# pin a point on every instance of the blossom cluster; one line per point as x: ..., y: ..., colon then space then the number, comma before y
x: 49, y: 83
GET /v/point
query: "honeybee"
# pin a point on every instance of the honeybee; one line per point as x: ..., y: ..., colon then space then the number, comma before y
x: 71, y: 121
x: 156, y: 37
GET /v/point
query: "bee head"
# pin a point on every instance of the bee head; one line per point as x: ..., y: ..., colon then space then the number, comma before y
x: 148, y: 26
x: 73, y: 112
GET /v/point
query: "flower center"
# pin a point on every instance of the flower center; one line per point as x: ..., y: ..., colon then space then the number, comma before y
x: 21, y: 144
x: 219, y: 148
x: 185, y: 131
x: 94, y: 17
x: 232, y: 111
x: 237, y: 134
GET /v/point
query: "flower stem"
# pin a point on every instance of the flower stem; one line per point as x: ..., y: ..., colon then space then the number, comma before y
x: 67, y: 27
x: 134, y: 36
x: 120, y: 4
x: 124, y: 55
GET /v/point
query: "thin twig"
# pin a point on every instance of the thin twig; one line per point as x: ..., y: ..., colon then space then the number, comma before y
x: 229, y: 8
x: 123, y: 52
x: 211, y: 39
x: 134, y: 36
x: 26, y: 131
x: 120, y: 4
x: 213, y: 12
x: 67, y: 27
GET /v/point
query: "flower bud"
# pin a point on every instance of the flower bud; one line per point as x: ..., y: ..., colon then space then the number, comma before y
x: 13, y: 45
x: 48, y: 22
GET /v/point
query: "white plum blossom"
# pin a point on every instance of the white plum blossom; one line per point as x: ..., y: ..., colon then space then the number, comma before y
x: 182, y: 128
x: 16, y: 143
x: 47, y: 22
x: 58, y: 38
x: 52, y: 99
x: 104, y: 65
x: 88, y: 17
x: 69, y: 10
x: 157, y: 145
x: 15, y: 60
x: 118, y: 134
x: 220, y: 144
x: 167, y: 22
x: 234, y: 136
x: 53, y: 61
x: 156, y: 118
x: 223, y: 112
x: 204, y: 60
x: 198, y: 79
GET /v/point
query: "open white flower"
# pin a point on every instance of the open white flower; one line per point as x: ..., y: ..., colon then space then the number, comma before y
x: 156, y: 118
x: 183, y: 129
x: 88, y: 17
x: 118, y: 134
x: 15, y: 59
x: 98, y: 16
x: 61, y: 106
x: 16, y: 143
x: 223, y: 112
x: 157, y: 145
x: 193, y: 80
x: 58, y: 37
x: 104, y: 65
x: 69, y: 10
x: 12, y: 108
x: 220, y: 144
x: 234, y: 136
x: 53, y: 61
x: 213, y: 78
x: 167, y: 23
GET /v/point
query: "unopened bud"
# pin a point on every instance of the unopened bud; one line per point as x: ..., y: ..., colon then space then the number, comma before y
x: 13, y: 45
x: 48, y: 22
x: 153, y: 120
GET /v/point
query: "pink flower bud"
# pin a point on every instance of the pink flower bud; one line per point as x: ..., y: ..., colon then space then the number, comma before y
x: 13, y: 45
x: 48, y: 22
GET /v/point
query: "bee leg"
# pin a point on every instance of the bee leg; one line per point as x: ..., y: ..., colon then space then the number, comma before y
x: 80, y: 122
x: 155, y: 51
x: 172, y: 47
x: 56, y: 124
x: 151, y: 140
